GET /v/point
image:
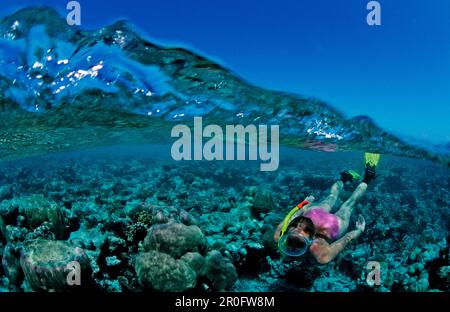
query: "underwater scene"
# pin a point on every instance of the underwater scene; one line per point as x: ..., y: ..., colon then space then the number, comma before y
x: 130, y: 166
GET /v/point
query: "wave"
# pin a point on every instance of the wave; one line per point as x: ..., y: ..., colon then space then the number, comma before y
x: 64, y: 88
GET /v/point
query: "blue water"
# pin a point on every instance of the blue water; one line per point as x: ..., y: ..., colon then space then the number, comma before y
x: 114, y: 82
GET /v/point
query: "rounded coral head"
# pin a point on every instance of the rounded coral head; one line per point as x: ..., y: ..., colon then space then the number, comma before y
x: 46, y: 264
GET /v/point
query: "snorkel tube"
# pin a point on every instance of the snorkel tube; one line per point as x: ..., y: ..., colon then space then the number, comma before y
x: 290, y: 214
x: 286, y: 222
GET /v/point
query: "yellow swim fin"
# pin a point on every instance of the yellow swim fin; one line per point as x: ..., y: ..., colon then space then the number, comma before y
x: 371, y: 159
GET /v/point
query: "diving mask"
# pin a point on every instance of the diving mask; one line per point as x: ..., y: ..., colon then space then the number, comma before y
x: 293, y: 244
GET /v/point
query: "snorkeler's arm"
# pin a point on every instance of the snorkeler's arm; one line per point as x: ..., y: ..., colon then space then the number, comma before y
x: 325, y: 252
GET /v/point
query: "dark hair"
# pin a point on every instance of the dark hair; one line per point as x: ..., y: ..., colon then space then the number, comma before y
x: 309, y: 225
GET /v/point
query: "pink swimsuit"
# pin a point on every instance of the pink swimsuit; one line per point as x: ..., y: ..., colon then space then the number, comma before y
x: 324, y: 222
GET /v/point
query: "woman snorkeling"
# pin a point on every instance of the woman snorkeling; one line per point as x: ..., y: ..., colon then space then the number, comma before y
x: 312, y: 227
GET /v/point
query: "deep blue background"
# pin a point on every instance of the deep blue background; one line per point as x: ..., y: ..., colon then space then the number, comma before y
x: 397, y: 73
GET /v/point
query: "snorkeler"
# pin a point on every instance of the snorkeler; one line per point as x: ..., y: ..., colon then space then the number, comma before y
x: 312, y: 227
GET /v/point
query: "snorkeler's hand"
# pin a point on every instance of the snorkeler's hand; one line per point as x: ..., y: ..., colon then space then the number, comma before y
x: 361, y: 224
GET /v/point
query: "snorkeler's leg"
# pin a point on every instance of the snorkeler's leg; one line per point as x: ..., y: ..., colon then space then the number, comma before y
x: 329, y: 202
x: 344, y: 213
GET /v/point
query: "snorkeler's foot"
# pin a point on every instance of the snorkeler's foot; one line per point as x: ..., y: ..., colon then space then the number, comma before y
x: 371, y: 160
x: 370, y: 174
x: 349, y: 176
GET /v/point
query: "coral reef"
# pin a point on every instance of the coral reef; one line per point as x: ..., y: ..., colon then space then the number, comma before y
x: 262, y: 202
x: 3, y: 234
x: 162, y: 272
x: 220, y: 271
x: 135, y: 220
x: 45, y: 264
x: 144, y: 223
x: 36, y: 210
x: 11, y: 264
x: 175, y: 239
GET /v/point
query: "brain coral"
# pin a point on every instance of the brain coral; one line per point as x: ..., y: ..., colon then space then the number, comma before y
x: 45, y: 264
x: 175, y: 239
x: 162, y: 272
x: 220, y: 271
